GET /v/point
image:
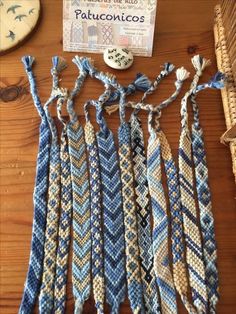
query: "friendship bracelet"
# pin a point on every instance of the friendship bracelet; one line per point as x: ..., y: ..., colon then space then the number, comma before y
x: 109, y: 199
x: 33, y: 280
x: 194, y: 255
x: 96, y: 217
x: 150, y: 291
x: 64, y: 221
x: 53, y: 202
x: 160, y: 229
x: 179, y: 269
x: 133, y: 270
x: 96, y: 207
x: 204, y: 197
x: 81, y: 257
x: 114, y: 246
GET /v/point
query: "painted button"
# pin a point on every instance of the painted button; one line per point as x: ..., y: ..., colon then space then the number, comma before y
x: 118, y: 58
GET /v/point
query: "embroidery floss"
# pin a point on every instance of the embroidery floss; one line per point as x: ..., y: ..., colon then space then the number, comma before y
x: 53, y: 204
x: 33, y: 280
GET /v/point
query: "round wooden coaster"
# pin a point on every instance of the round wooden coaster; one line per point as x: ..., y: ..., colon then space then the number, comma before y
x: 18, y: 19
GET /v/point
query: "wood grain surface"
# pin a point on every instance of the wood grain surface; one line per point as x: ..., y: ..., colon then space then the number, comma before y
x: 184, y: 28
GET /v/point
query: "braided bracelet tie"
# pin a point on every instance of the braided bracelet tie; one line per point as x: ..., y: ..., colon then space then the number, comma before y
x: 167, y: 69
x: 51, y: 234
x: 33, y: 280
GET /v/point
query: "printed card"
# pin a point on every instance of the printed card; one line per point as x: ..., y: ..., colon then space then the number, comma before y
x: 94, y: 25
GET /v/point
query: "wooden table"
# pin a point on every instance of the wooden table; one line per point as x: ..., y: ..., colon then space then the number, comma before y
x: 184, y: 28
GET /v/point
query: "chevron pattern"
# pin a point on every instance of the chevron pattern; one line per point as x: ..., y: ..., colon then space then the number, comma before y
x: 177, y: 237
x: 133, y: 271
x: 81, y: 214
x: 160, y: 226
x: 51, y: 234
x: 194, y: 255
x: 64, y: 228
x: 96, y: 218
x: 150, y: 291
x: 205, y: 207
x: 33, y: 280
x: 114, y: 244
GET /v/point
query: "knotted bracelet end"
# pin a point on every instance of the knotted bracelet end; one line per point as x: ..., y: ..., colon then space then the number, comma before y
x: 168, y: 67
x: 59, y: 63
x: 200, y: 63
x: 182, y: 74
x: 28, y: 62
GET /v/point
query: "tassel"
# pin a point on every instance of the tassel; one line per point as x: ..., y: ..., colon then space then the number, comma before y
x: 182, y: 74
x: 79, y: 62
x: 168, y: 67
x: 59, y: 63
x: 217, y: 82
x: 28, y: 62
x: 88, y: 65
x: 141, y: 83
x: 200, y: 63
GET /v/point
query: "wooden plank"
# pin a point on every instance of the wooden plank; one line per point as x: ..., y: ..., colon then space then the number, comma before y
x: 184, y: 28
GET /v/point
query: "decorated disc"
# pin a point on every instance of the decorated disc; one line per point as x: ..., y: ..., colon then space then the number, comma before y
x: 118, y: 58
x: 18, y: 18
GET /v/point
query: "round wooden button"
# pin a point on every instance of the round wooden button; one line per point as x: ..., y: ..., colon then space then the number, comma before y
x: 118, y: 58
x: 18, y: 19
